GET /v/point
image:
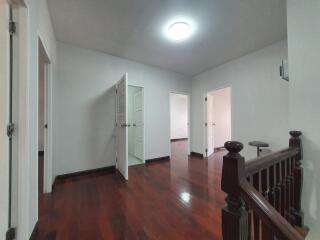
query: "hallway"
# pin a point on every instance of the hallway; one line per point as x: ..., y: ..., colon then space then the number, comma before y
x: 177, y: 199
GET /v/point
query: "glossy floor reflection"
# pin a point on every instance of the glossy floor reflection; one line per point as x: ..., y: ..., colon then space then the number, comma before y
x: 180, y: 199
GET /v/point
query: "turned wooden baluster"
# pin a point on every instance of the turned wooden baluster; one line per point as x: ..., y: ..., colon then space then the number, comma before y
x: 271, y: 192
x: 292, y: 167
x: 234, y: 215
x: 283, y: 189
x: 277, y: 189
x: 295, y: 141
x: 266, y: 232
x: 250, y: 214
x: 256, y: 219
x: 288, y: 188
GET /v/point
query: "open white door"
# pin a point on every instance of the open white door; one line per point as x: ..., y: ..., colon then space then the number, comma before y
x: 138, y: 124
x: 210, y: 126
x: 122, y: 126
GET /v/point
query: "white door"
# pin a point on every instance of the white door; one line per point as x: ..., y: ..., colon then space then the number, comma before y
x: 210, y: 125
x: 138, y: 124
x: 122, y: 126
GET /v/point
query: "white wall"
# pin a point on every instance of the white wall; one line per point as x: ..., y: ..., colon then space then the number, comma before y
x: 178, y: 116
x: 221, y: 114
x: 84, y: 107
x: 304, y: 51
x: 259, y: 99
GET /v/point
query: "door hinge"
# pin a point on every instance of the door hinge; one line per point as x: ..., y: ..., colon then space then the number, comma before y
x: 205, y: 99
x: 10, y: 129
x: 12, y: 27
x: 206, y: 124
x: 11, y: 234
x: 206, y: 150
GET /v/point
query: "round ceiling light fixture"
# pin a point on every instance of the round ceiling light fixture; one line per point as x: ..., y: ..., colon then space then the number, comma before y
x: 179, y: 29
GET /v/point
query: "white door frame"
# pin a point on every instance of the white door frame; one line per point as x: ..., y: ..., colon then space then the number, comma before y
x: 23, y: 121
x: 47, y: 173
x: 144, y: 120
x: 205, y: 114
x: 21, y: 111
x: 4, y: 103
x: 188, y: 121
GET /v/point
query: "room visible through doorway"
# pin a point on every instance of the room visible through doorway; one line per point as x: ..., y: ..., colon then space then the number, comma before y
x: 43, y: 62
x: 179, y: 122
x: 136, y: 125
x: 218, y: 119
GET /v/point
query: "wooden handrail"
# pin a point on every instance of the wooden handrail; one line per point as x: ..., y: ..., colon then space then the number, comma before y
x: 264, y: 194
x: 265, y: 161
x: 279, y: 225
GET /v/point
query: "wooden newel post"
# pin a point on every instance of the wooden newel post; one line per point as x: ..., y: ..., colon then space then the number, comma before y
x: 234, y: 215
x: 295, y: 141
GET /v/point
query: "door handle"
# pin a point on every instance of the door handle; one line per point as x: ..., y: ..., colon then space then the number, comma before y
x: 134, y: 125
x: 125, y: 125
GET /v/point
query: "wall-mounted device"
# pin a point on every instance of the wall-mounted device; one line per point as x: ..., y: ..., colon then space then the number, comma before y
x: 284, y: 70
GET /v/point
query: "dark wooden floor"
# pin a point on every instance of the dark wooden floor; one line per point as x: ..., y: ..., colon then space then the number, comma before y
x: 180, y: 199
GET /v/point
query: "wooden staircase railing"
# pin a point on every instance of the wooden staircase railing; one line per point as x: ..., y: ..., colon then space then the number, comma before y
x: 264, y: 194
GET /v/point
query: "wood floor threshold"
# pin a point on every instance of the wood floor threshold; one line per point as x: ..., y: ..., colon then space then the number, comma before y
x: 196, y: 154
x: 159, y: 159
x: 178, y: 139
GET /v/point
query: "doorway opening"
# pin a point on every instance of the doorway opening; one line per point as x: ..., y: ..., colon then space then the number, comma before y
x: 43, y: 64
x: 179, y: 123
x: 136, y: 125
x: 129, y: 130
x: 218, y: 119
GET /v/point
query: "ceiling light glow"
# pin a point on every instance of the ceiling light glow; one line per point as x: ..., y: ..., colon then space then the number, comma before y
x: 179, y: 29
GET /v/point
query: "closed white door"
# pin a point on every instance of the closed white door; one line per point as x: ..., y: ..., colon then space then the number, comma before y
x: 138, y: 124
x: 210, y: 125
x: 122, y: 126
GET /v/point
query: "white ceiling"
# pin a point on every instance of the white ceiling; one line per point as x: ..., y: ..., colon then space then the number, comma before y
x: 133, y: 29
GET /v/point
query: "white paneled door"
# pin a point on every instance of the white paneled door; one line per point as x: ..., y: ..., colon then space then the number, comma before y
x: 122, y: 126
x: 138, y: 124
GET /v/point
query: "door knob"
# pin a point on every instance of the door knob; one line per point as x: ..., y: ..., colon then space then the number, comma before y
x: 134, y: 125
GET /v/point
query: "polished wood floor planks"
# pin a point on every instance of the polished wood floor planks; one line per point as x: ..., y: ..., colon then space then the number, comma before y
x: 176, y: 199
